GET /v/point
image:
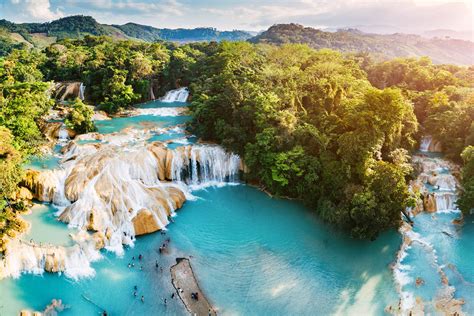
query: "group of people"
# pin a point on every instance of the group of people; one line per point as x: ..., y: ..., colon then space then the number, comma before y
x: 132, y: 264
x: 162, y: 249
x: 195, y: 296
x: 135, y: 294
x: 164, y: 246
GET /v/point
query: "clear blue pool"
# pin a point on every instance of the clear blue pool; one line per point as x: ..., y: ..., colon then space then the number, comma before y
x: 252, y: 255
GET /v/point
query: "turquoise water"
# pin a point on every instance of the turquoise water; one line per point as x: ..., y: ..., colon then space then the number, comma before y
x: 45, y: 228
x: 159, y: 104
x: 252, y: 254
x: 45, y: 161
x: 454, y: 250
x: 138, y: 122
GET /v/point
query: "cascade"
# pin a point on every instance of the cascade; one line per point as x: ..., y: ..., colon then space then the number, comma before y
x: 63, y: 134
x: 113, y: 188
x: 445, y: 201
x: 118, y: 188
x: 438, y: 193
x: 204, y: 165
x: 425, y: 143
x: 74, y: 261
x: 177, y: 95
x: 82, y: 89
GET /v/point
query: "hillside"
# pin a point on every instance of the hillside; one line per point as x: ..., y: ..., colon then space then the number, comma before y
x: 12, y: 35
x: 389, y: 46
x: 149, y: 33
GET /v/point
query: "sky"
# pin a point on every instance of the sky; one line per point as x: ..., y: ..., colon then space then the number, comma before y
x: 255, y: 15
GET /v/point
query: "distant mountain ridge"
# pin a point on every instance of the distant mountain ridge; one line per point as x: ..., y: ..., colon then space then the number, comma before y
x: 78, y: 26
x: 450, y: 51
x: 150, y: 33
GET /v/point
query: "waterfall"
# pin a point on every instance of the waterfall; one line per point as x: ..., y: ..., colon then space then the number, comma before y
x: 437, y: 188
x: 445, y: 201
x: 119, y: 188
x: 82, y: 89
x: 204, y: 165
x: 177, y: 95
x: 444, y: 182
x: 63, y: 134
x: 74, y: 261
x: 152, y: 94
x: 425, y: 143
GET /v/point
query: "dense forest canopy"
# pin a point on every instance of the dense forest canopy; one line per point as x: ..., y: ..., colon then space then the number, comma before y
x: 334, y: 130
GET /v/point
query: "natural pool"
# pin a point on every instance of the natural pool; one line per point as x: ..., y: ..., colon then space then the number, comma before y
x: 252, y: 254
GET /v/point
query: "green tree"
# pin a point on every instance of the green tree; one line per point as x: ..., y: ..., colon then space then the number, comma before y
x: 466, y: 200
x: 80, y: 118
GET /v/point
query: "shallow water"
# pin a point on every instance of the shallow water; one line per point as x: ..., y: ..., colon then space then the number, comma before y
x: 45, y: 228
x: 138, y: 122
x: 292, y: 264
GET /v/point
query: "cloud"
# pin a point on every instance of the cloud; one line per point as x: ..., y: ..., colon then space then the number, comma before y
x: 369, y: 15
x: 402, y: 15
x: 129, y: 7
x: 37, y: 10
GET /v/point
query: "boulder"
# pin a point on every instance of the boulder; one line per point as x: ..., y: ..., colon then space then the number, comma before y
x: 433, y: 179
x: 177, y: 196
x: 67, y: 90
x: 71, y: 133
x: 429, y: 203
x: 145, y: 222
x: 55, y: 261
x: 24, y: 194
x: 41, y: 184
x: 50, y: 129
x: 161, y: 154
x: 100, y: 116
